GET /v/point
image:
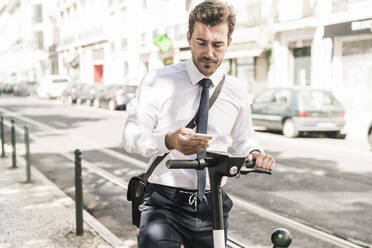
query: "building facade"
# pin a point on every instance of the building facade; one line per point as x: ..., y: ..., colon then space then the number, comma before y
x: 326, y: 44
x: 315, y: 43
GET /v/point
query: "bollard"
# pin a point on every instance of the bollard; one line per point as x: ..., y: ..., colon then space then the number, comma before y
x: 281, y: 238
x: 2, y: 136
x: 27, y: 156
x: 78, y: 194
x: 13, y: 137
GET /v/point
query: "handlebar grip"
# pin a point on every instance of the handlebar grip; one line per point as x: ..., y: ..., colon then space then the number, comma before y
x: 183, y: 164
x: 251, y: 168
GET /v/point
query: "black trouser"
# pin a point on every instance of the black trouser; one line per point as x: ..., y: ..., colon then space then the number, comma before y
x: 171, y: 218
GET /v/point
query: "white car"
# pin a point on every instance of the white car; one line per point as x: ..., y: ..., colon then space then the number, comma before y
x: 52, y: 86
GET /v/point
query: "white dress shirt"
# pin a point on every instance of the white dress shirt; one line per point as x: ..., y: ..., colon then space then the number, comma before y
x: 167, y: 99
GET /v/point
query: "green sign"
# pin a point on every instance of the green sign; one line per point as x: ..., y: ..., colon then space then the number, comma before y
x: 163, y: 42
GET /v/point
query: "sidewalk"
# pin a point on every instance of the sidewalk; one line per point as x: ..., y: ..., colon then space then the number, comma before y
x: 40, y: 215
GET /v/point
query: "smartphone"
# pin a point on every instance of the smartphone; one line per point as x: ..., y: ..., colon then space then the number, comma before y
x: 201, y: 136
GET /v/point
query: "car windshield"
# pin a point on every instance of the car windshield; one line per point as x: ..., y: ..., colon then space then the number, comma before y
x: 316, y: 99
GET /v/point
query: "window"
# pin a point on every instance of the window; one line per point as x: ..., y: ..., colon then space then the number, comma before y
x: 37, y: 14
x: 282, y: 96
x: 188, y: 5
x: 316, y: 99
x: 265, y: 97
x: 38, y: 40
x: 124, y: 43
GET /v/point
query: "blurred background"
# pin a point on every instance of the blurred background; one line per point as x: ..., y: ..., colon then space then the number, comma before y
x: 324, y: 44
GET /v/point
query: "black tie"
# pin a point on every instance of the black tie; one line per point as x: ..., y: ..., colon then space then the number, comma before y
x: 202, y: 126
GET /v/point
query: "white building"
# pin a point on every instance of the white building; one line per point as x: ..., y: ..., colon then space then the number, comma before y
x: 327, y: 44
x: 25, y: 35
x: 319, y: 43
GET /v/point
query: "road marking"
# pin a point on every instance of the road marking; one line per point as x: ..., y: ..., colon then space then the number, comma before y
x: 50, y: 129
x: 292, y: 223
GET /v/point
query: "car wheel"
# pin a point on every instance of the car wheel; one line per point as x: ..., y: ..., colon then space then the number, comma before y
x: 111, y: 105
x: 370, y: 137
x: 336, y: 135
x: 289, y: 129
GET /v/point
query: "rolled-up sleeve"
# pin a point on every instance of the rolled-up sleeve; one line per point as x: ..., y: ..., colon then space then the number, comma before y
x: 243, y: 136
x: 140, y: 134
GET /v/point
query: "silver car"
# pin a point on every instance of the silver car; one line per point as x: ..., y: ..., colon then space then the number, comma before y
x: 299, y: 110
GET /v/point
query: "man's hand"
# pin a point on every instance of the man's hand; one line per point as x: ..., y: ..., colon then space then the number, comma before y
x: 263, y: 160
x: 180, y: 141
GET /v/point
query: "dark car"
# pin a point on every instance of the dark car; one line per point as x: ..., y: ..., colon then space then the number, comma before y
x: 299, y: 110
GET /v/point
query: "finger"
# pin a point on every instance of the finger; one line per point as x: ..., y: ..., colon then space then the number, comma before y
x: 198, y: 144
x: 269, y: 162
x: 193, y: 146
x: 186, y: 131
x: 191, y: 151
x: 272, y: 163
x: 265, y: 163
x: 259, y: 160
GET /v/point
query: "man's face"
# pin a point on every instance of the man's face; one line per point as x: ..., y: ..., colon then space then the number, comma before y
x: 208, y: 46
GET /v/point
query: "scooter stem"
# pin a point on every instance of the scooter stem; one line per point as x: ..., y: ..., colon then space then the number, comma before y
x: 218, y: 223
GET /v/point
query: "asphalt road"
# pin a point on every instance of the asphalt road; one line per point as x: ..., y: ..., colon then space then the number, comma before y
x: 320, y: 183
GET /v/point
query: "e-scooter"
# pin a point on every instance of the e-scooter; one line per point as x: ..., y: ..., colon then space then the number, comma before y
x: 222, y: 164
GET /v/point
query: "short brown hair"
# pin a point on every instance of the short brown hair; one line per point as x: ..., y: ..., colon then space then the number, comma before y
x: 212, y: 13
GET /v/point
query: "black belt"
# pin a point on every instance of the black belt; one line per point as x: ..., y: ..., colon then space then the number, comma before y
x: 187, y: 196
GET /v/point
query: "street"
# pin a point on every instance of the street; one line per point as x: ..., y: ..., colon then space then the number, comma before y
x: 320, y: 189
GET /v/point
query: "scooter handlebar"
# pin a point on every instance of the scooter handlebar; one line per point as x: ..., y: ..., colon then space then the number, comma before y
x: 250, y: 167
x: 183, y: 164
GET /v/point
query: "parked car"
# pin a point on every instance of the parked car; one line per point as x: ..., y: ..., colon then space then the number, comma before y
x: 112, y: 97
x: 123, y: 97
x: 25, y: 88
x: 71, y: 93
x: 299, y: 110
x: 52, y: 86
x: 88, y: 93
x: 369, y: 134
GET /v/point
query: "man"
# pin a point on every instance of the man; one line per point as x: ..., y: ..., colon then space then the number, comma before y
x: 166, y: 101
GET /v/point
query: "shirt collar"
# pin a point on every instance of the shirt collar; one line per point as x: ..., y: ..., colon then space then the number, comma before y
x: 195, y: 75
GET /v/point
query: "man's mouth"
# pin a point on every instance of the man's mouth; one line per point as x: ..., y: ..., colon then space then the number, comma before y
x: 207, y: 61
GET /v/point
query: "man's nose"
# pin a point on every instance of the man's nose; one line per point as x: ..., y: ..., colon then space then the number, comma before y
x: 209, y: 51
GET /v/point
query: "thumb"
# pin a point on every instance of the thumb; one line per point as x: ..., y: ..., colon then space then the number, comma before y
x: 249, y: 157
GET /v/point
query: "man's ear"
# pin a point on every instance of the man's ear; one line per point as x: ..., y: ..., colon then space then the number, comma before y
x: 229, y: 41
x: 189, y: 38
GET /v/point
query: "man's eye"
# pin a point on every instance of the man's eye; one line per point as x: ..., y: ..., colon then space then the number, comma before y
x: 202, y: 44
